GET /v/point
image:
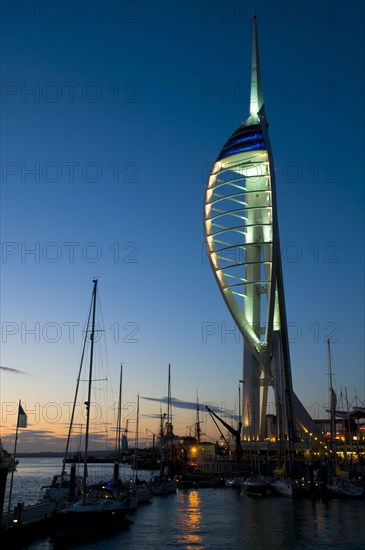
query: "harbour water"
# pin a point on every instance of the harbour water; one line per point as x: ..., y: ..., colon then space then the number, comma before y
x: 210, y: 518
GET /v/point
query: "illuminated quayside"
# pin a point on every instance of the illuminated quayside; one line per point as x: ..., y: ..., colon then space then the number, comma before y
x: 242, y: 240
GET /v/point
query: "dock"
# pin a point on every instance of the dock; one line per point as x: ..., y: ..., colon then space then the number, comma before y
x: 26, y: 524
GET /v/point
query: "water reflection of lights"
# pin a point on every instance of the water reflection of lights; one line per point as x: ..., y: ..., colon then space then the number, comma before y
x: 190, y: 521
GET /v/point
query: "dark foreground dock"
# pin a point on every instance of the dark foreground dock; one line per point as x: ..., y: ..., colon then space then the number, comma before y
x: 26, y: 524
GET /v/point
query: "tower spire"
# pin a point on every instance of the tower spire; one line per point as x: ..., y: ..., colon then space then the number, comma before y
x: 256, y: 95
x: 240, y: 215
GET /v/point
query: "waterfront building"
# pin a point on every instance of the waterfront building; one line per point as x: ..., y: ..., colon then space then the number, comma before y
x: 243, y: 246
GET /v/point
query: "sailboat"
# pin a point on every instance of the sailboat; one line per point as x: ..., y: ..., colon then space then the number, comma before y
x: 123, y: 489
x: 118, y: 456
x: 166, y: 484
x: 100, y: 507
x: 338, y: 484
x: 283, y: 484
x: 139, y: 487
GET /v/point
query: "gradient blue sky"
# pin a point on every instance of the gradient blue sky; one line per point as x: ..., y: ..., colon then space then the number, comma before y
x: 131, y: 106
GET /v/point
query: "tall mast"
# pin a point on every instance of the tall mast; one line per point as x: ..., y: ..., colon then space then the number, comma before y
x: 136, y: 443
x: 63, y: 472
x: 197, y: 423
x: 119, y: 416
x: 117, y: 453
x: 169, y: 414
x: 87, y: 403
x: 169, y: 398
x: 14, y: 457
x: 332, y: 397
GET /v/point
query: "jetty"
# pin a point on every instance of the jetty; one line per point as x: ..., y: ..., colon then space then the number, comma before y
x: 25, y: 524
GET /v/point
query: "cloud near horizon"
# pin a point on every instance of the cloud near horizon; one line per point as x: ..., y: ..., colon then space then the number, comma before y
x: 39, y: 440
x: 13, y: 371
x: 191, y: 405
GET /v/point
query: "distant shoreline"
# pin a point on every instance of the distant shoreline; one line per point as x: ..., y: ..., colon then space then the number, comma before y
x: 44, y: 454
x: 56, y: 454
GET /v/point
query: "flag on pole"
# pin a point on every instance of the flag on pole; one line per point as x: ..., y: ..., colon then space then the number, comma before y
x: 22, y: 417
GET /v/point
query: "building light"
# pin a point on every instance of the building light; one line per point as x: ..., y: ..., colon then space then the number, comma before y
x: 249, y: 137
x: 254, y: 146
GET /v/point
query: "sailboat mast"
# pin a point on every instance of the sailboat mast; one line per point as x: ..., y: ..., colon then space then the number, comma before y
x: 137, y: 423
x: 332, y: 403
x: 169, y: 416
x: 197, y: 423
x: 168, y: 398
x: 119, y: 416
x: 117, y: 449
x: 136, y: 443
x: 14, y: 458
x: 87, y: 403
x: 63, y: 472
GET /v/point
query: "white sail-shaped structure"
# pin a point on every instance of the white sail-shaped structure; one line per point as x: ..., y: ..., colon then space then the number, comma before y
x: 242, y: 239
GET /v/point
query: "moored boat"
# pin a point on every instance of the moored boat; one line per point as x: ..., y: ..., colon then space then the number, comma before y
x: 163, y: 487
x: 256, y: 486
x: 187, y: 481
x: 285, y: 487
x: 60, y: 488
x: 339, y: 485
x: 142, y: 492
x: 234, y: 480
x: 100, y: 509
x: 342, y: 487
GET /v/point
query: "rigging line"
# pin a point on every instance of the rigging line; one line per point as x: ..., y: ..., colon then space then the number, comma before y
x: 102, y: 364
x: 102, y: 347
x: 74, y: 403
x: 119, y: 416
x: 87, y: 403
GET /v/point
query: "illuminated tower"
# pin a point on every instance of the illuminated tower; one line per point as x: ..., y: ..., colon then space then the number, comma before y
x: 242, y: 239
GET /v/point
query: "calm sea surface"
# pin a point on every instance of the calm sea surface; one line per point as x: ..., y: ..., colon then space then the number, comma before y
x: 210, y: 518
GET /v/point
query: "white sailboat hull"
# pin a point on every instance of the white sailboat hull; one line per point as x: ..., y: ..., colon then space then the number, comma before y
x: 285, y: 487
